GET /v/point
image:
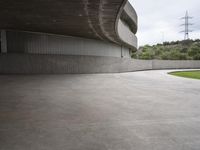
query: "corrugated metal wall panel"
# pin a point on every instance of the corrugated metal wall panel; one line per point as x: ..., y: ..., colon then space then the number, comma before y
x: 39, y: 43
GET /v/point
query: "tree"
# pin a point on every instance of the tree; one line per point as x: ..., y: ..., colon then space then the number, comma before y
x: 194, y: 50
x: 175, y: 50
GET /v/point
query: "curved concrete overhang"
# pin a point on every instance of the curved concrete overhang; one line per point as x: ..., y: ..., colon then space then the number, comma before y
x: 126, y: 26
x: 127, y: 37
x: 129, y: 16
x: 95, y: 19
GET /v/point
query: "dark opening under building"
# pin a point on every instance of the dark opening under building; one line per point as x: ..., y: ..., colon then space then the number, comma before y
x: 66, y: 36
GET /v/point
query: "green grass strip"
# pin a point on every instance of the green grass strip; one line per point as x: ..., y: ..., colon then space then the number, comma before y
x: 187, y: 74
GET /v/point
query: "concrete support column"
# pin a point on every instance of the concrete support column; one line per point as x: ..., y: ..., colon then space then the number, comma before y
x: 3, y: 41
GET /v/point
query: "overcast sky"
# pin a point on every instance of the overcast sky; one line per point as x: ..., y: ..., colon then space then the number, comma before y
x: 159, y: 20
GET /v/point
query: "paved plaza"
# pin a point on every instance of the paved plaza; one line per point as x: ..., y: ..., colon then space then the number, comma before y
x: 147, y: 110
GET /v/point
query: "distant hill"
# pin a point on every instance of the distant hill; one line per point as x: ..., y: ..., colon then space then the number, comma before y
x: 175, y: 50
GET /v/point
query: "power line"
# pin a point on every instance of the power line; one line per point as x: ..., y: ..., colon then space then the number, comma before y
x: 186, y: 25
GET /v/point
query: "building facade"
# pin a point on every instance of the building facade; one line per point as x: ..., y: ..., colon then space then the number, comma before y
x: 90, y: 28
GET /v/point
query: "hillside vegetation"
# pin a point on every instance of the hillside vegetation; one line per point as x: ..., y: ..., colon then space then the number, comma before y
x: 179, y: 50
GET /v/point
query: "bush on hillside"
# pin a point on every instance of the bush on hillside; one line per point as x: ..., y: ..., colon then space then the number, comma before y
x: 176, y: 50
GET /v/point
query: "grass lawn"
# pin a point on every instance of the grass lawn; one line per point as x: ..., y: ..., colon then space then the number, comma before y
x: 187, y: 74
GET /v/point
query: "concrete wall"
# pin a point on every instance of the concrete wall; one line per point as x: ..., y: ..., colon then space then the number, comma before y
x: 40, y: 43
x: 33, y: 63
x: 175, y: 64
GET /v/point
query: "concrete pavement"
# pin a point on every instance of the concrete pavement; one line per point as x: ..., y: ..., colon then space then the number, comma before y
x: 147, y: 110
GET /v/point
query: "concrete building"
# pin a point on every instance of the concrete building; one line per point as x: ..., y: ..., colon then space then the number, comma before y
x: 78, y: 28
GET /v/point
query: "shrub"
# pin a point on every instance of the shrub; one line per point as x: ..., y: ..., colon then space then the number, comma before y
x: 175, y: 50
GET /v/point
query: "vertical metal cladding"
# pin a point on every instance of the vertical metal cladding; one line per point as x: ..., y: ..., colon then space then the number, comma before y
x: 39, y: 43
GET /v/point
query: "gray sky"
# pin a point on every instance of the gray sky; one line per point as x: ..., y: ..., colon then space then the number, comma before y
x: 159, y: 20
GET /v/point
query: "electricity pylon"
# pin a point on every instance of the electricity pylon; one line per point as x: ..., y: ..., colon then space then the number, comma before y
x: 187, y: 24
